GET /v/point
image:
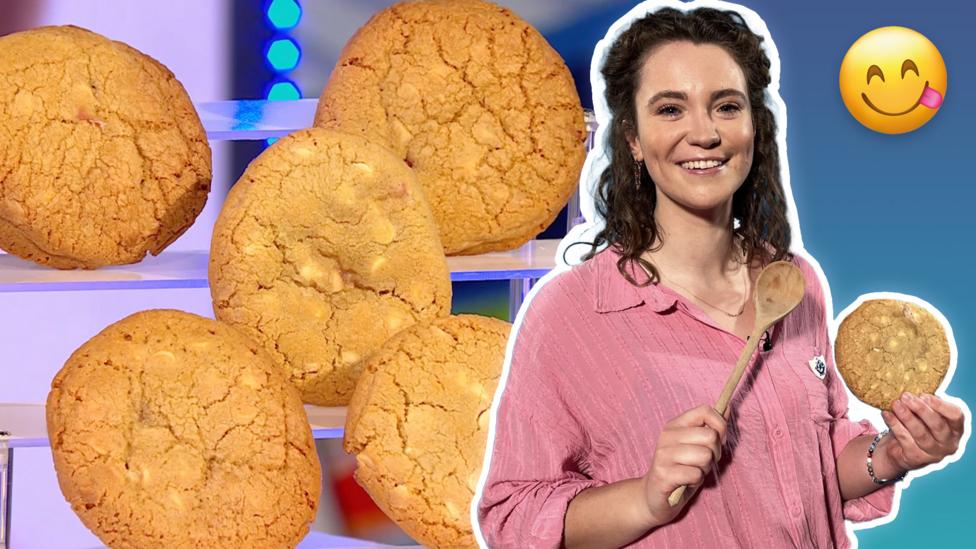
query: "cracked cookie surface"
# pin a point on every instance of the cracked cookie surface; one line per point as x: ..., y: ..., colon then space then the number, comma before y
x: 478, y: 103
x: 104, y: 158
x: 172, y: 430
x: 418, y: 424
x: 324, y: 249
x: 887, y: 347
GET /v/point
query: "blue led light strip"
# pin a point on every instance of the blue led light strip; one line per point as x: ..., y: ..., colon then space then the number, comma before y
x: 282, y: 53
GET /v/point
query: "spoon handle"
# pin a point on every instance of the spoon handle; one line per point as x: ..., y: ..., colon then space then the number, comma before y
x: 726, y: 396
x: 740, y: 367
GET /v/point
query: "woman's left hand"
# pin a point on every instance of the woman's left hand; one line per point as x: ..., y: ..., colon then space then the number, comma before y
x: 926, y: 429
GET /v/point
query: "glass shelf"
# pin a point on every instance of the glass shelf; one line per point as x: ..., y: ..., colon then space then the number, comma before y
x: 256, y: 119
x: 189, y: 270
x: 322, y: 540
x: 27, y: 425
x: 252, y: 120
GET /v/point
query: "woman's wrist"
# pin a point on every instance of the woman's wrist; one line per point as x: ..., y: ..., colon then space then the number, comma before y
x: 609, y: 515
x: 885, y: 466
x: 644, y: 516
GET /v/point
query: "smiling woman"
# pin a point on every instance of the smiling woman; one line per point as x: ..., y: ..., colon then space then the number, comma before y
x: 693, y: 145
x: 606, y: 404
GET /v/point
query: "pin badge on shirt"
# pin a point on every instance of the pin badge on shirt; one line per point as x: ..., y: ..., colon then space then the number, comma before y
x: 819, y: 366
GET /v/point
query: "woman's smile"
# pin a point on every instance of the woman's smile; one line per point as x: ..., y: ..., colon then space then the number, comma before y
x: 709, y: 166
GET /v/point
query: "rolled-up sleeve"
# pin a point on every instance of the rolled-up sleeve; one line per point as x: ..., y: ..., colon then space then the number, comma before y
x: 843, y: 430
x: 534, y: 470
x: 878, y: 503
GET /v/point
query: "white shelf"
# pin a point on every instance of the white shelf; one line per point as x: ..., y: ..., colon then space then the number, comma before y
x: 27, y: 424
x: 189, y: 270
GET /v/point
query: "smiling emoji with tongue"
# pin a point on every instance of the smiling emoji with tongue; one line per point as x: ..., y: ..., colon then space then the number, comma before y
x: 893, y: 80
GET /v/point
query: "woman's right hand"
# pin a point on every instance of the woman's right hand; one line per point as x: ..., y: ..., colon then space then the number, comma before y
x: 683, y: 455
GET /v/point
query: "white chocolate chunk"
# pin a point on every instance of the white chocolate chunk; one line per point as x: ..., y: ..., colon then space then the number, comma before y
x: 396, y: 320
x: 249, y: 380
x: 336, y: 284
x: 176, y: 499
x: 345, y: 195
x: 310, y: 272
x: 383, y: 231
x: 452, y: 509
x: 472, y: 482
x: 377, y: 264
x: 200, y: 345
x: 363, y: 167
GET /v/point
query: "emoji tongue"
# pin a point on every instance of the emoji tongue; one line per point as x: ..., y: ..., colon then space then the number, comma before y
x: 931, y: 98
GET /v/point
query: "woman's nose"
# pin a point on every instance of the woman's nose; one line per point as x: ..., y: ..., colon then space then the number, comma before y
x: 703, y: 131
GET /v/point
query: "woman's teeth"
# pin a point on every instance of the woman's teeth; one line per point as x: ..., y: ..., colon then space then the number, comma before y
x: 701, y: 164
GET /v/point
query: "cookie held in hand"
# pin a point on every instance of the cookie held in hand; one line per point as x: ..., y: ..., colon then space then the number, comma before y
x: 886, y: 347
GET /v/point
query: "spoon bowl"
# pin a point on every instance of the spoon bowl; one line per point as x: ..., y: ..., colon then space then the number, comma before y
x: 779, y: 290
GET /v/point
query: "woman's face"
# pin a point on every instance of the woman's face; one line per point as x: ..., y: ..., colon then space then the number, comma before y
x: 694, y: 126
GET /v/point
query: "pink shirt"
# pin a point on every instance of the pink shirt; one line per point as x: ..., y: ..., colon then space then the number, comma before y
x: 600, y: 365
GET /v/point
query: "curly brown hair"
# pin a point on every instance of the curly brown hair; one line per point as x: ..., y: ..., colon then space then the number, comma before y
x: 759, y: 204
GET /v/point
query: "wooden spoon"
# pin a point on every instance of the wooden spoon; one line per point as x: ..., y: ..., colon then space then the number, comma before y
x: 779, y: 290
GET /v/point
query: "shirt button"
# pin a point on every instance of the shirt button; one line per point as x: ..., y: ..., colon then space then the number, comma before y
x: 778, y: 433
x: 796, y: 510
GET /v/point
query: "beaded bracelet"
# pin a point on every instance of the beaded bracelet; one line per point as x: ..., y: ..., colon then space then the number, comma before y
x: 871, y: 449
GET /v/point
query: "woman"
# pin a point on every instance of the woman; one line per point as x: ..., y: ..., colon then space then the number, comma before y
x: 591, y: 438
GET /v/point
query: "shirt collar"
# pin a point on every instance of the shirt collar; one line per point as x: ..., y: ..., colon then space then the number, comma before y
x: 614, y: 293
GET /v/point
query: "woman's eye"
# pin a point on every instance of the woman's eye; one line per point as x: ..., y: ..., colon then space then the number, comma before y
x: 730, y: 108
x: 669, y: 110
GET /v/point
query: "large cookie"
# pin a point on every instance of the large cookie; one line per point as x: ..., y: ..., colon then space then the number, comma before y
x: 887, y: 347
x: 103, y: 156
x: 418, y: 424
x: 478, y: 103
x: 172, y: 430
x: 325, y: 249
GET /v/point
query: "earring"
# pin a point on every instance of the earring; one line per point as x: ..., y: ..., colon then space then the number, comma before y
x: 637, y: 173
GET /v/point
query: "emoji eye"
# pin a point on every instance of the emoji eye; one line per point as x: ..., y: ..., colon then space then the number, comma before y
x: 875, y: 70
x: 908, y: 65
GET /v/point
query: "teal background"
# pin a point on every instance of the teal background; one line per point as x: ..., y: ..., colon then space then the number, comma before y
x: 889, y: 212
